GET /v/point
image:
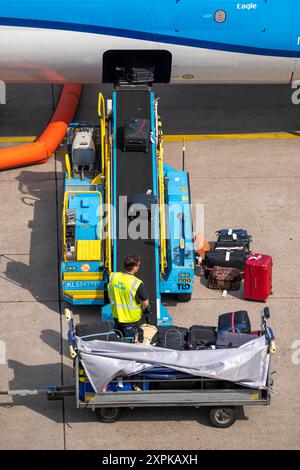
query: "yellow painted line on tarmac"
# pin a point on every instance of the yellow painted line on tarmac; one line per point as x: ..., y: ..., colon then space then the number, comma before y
x: 179, y: 138
x: 15, y: 140
x: 269, y: 135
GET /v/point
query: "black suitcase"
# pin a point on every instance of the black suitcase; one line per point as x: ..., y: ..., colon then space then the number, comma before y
x: 237, y: 235
x: 136, y: 135
x: 172, y: 337
x: 232, y: 245
x: 233, y: 340
x: 201, y: 337
x: 140, y: 75
x: 103, y: 331
x: 234, y: 322
x: 226, y: 259
x: 145, y: 201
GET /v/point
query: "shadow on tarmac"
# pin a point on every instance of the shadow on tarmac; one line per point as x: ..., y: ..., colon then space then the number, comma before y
x: 40, y: 276
x: 28, y: 377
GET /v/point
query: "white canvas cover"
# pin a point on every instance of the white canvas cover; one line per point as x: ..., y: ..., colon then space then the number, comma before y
x: 104, y: 361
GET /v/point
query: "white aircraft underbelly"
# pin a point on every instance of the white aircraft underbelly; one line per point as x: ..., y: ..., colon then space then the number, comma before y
x: 43, y: 56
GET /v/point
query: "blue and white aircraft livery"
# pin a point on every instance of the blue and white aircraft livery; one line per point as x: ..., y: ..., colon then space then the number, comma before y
x: 208, y: 41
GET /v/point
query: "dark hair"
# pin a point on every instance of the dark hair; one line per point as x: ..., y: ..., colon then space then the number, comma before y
x: 131, y: 261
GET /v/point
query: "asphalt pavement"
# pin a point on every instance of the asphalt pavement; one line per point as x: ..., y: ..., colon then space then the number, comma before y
x: 251, y: 183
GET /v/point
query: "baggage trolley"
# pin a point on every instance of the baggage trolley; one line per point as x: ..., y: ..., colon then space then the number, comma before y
x: 158, y: 387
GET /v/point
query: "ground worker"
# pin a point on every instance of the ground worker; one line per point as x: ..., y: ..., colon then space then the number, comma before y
x: 128, y: 297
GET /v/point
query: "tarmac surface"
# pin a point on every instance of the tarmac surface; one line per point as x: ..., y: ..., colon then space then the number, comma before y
x: 241, y: 183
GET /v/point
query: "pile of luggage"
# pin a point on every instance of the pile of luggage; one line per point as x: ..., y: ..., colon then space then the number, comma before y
x: 231, y: 261
x: 233, y: 330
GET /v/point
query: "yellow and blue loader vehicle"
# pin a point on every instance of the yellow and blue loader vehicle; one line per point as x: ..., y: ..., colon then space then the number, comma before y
x: 100, y: 174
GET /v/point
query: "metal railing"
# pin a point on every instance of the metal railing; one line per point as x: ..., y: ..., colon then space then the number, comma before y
x: 162, y: 208
x: 102, y: 117
x: 106, y: 174
x: 108, y: 206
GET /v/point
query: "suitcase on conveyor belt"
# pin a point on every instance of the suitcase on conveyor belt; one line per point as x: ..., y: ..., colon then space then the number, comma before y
x: 136, y: 135
x: 141, y: 206
x: 226, y: 259
x: 140, y: 75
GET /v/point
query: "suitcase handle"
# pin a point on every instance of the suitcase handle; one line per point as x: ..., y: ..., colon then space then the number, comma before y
x: 170, y: 331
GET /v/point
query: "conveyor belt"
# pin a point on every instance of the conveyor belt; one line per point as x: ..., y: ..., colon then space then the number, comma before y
x: 134, y: 175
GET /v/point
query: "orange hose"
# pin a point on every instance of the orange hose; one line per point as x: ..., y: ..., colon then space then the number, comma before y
x: 41, y: 150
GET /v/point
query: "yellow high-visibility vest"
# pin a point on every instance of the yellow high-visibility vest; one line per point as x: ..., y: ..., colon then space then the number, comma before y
x: 122, y: 290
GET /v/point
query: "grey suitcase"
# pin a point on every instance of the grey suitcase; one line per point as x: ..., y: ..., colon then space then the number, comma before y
x: 227, y: 340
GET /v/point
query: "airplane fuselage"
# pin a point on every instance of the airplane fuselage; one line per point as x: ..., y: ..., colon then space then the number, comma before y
x: 221, y: 41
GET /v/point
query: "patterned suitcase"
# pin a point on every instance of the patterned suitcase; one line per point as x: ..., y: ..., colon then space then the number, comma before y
x: 258, y: 277
x: 224, y: 279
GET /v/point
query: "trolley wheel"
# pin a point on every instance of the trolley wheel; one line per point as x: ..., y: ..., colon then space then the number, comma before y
x: 108, y: 415
x: 184, y: 297
x: 222, y: 417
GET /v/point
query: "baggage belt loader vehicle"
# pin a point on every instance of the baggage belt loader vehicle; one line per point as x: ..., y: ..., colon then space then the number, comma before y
x: 114, y: 184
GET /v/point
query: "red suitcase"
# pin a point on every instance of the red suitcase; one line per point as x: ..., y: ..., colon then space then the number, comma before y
x: 258, y: 277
